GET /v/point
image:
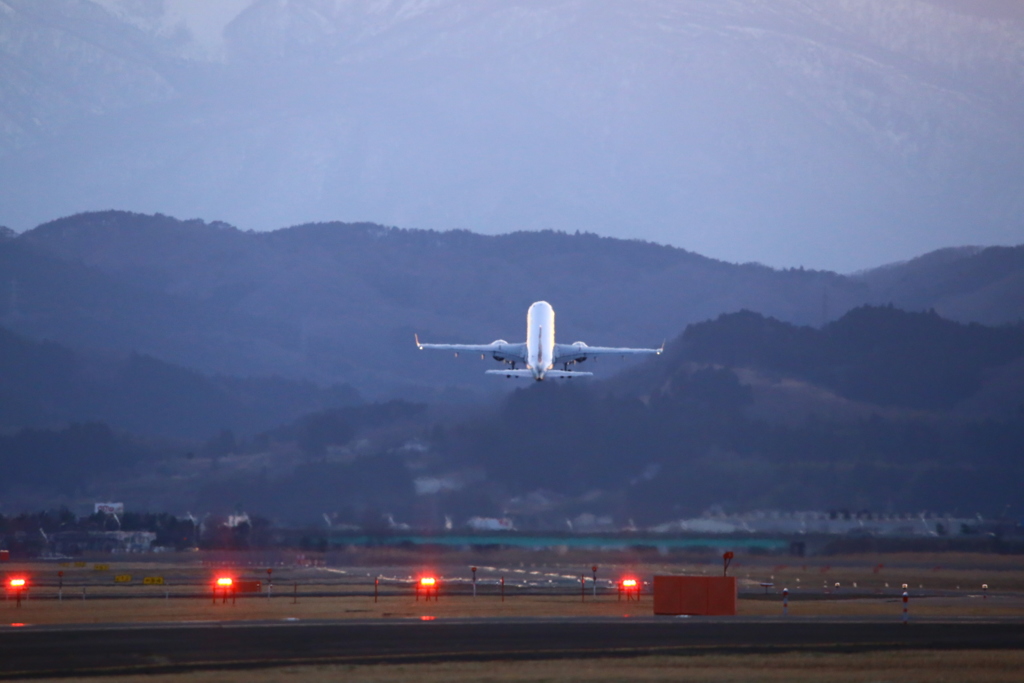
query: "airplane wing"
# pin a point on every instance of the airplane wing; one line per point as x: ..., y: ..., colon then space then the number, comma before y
x: 501, y: 349
x: 579, y: 352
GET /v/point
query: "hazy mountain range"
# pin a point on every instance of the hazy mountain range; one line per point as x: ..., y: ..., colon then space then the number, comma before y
x: 339, y: 303
x: 211, y: 352
x: 839, y: 134
x: 230, y: 362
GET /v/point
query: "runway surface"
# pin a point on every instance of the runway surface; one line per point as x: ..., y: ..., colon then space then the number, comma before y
x: 28, y: 651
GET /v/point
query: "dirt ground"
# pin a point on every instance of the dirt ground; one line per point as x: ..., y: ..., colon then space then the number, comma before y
x: 98, y: 611
x: 897, y: 667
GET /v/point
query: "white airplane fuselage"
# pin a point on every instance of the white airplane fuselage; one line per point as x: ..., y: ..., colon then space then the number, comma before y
x: 539, y: 353
x: 540, y: 338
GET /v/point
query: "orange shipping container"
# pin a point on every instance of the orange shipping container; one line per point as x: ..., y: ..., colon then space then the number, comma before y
x: 698, y: 595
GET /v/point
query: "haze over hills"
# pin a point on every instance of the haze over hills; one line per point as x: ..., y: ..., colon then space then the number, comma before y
x: 835, y: 135
x: 340, y: 302
x: 744, y: 412
x: 48, y: 385
x: 878, y: 409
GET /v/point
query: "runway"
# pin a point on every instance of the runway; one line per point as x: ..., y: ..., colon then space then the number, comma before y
x: 28, y: 651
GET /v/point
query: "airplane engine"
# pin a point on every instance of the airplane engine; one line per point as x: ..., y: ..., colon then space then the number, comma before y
x: 580, y: 345
x: 498, y: 356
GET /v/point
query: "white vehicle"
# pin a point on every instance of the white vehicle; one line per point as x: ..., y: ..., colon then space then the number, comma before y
x: 540, y: 354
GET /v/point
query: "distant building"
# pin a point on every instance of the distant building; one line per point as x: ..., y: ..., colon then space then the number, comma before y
x: 238, y: 520
x: 109, y: 508
x: 490, y: 524
x: 78, y: 542
x: 821, y: 522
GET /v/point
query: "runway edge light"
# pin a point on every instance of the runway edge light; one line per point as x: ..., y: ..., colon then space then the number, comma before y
x: 630, y: 587
x: 17, y: 585
x: 427, y: 585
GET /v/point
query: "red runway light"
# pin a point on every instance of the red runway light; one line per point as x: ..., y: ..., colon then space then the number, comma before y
x: 225, y: 581
x: 428, y: 581
x: 17, y: 583
x: 629, y: 583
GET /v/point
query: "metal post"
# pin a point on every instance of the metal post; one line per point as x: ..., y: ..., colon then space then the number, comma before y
x: 474, y: 581
x: 906, y: 598
x: 785, y: 602
x: 376, y: 582
x: 594, y: 569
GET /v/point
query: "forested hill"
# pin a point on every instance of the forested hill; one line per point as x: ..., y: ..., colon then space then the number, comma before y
x: 882, y: 410
x: 48, y: 385
x: 878, y: 355
x: 340, y: 302
x: 749, y: 412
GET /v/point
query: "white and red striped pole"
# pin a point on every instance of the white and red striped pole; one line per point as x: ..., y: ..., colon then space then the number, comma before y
x: 906, y: 599
x: 785, y: 602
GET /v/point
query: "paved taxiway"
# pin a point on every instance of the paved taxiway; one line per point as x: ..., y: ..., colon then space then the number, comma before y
x: 61, y: 651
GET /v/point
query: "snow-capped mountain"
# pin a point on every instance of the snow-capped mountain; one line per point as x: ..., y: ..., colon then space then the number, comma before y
x: 865, y: 130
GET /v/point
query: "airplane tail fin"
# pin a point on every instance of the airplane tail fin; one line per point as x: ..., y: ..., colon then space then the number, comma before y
x: 552, y: 374
x: 510, y: 373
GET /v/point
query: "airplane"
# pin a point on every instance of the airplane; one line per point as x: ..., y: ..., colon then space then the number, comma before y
x: 540, y: 354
